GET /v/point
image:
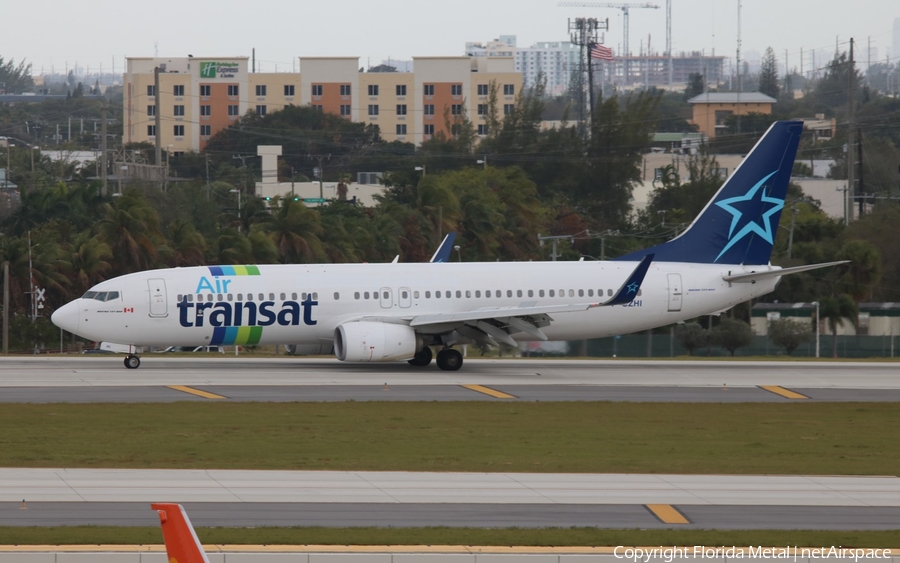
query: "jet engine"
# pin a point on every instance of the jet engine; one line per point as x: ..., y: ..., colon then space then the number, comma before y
x: 375, y: 342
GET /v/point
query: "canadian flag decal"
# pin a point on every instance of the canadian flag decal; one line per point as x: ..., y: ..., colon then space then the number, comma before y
x: 129, y: 309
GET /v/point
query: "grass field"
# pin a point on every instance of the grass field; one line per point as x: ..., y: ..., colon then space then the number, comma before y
x: 86, y: 535
x: 789, y: 438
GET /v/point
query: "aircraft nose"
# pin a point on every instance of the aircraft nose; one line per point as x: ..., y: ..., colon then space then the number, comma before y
x: 66, y: 317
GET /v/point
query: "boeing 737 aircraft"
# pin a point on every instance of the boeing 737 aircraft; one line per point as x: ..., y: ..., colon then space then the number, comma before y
x: 396, y: 312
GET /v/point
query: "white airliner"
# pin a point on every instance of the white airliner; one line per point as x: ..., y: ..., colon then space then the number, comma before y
x: 395, y: 312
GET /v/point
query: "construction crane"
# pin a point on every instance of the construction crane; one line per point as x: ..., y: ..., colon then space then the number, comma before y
x: 625, y: 10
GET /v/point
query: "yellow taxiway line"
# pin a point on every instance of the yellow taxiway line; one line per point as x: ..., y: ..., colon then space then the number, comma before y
x: 488, y: 391
x: 667, y: 514
x: 197, y: 392
x: 786, y: 393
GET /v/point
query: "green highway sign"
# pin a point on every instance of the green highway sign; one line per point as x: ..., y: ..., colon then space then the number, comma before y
x: 314, y: 200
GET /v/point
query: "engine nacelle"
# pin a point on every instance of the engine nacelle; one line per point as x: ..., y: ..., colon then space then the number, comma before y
x: 374, y: 342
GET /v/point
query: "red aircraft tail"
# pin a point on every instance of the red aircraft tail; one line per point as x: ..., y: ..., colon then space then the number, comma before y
x: 182, y: 545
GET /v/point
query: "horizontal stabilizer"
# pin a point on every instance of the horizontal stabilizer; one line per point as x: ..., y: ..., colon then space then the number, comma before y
x: 748, y: 277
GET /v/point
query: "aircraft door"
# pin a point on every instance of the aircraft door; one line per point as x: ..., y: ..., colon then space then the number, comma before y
x: 387, y: 300
x: 675, y: 292
x: 158, y: 302
x: 404, y: 297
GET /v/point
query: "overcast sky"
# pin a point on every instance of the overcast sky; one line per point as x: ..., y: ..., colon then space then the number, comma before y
x: 57, y: 32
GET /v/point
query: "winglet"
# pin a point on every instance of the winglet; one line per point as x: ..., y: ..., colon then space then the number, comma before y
x: 182, y: 544
x: 442, y: 254
x: 632, y: 285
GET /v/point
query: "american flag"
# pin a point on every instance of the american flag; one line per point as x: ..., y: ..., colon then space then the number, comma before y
x: 601, y: 52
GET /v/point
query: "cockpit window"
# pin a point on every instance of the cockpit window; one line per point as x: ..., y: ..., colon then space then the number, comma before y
x: 101, y: 295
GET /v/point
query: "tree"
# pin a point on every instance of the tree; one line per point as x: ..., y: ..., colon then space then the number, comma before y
x: 768, y: 74
x: 695, y: 86
x: 836, y: 310
x: 789, y: 334
x: 16, y: 78
x: 691, y: 336
x: 862, y: 274
x: 732, y: 334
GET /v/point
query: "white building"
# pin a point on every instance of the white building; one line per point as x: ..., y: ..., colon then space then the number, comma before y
x: 556, y: 60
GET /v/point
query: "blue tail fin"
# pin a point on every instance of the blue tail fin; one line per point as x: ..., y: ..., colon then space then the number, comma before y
x: 738, y: 226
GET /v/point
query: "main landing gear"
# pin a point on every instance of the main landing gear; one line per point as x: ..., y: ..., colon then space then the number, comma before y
x: 132, y: 361
x: 448, y: 359
x: 422, y: 357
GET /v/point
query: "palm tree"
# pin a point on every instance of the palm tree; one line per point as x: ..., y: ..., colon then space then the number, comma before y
x: 836, y: 310
x: 188, y: 246
x: 87, y: 261
x: 131, y: 229
x: 295, y: 230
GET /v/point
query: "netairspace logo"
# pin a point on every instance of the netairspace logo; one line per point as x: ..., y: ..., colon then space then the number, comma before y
x: 795, y: 553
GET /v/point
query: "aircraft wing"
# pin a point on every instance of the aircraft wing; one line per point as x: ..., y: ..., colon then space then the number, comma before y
x: 491, y: 324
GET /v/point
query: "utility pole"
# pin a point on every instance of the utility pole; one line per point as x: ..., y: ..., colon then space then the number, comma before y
x: 859, y: 163
x: 103, y: 166
x: 739, y: 67
x: 157, y: 118
x: 320, y: 158
x: 206, y: 156
x: 6, y: 307
x: 583, y: 32
x: 851, y: 184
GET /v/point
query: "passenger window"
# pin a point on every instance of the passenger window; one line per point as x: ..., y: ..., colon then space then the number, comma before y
x: 337, y: 296
x: 315, y: 296
x: 356, y: 295
x: 580, y: 293
x: 293, y: 297
x: 609, y: 292
x: 366, y: 294
x: 271, y: 297
x: 189, y: 297
x: 179, y: 298
x: 437, y: 294
x: 249, y: 297
x: 639, y: 292
x: 240, y: 296
x: 283, y: 297
x: 487, y: 293
x: 562, y: 292
x: 468, y: 294
x: 230, y: 297
x: 303, y: 296
x: 530, y: 293
x: 459, y: 294
x: 427, y: 295
x: 509, y: 293
x: 572, y: 293
x: 478, y: 293
x: 540, y: 293
x: 447, y: 294
x: 518, y: 293
x: 415, y: 294
x: 262, y: 297
x: 220, y: 297
x: 209, y: 297
x: 499, y: 294
x: 552, y: 294
x: 590, y: 293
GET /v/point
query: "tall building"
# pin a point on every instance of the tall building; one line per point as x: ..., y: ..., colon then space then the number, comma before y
x: 895, y: 43
x: 199, y: 96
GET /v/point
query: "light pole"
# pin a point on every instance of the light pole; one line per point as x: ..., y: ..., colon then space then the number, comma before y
x: 166, y: 181
x: 238, y: 192
x: 482, y: 161
x: 458, y: 255
x: 420, y: 169
x: 816, y: 303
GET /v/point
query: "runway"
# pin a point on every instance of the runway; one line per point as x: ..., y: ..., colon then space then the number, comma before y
x: 77, y: 371
x: 235, y: 498
x: 323, y: 498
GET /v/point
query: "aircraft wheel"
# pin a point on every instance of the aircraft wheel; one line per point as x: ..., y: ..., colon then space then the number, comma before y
x: 132, y: 362
x: 449, y: 360
x: 422, y: 357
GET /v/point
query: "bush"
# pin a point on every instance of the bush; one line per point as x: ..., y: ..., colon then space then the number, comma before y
x: 732, y: 334
x: 691, y: 336
x: 789, y: 334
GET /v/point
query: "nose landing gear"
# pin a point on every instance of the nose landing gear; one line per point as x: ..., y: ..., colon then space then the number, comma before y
x: 132, y: 361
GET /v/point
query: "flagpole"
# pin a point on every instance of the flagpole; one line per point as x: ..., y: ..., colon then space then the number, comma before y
x: 590, y: 62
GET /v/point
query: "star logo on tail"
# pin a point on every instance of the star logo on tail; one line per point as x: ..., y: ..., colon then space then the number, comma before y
x: 632, y: 287
x: 745, y: 217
